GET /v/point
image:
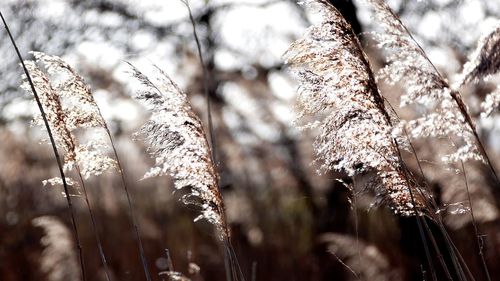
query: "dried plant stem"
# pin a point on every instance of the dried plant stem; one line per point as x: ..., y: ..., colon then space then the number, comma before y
x: 206, y: 84
x: 233, y: 269
x: 454, y: 253
x: 354, y: 205
x: 132, y: 215
x: 94, y: 225
x: 54, y: 148
x: 235, y: 262
x: 76, y: 87
x: 474, y: 224
x: 254, y: 271
x: 419, y: 225
x: 454, y: 248
x: 438, y: 218
x: 438, y: 251
x: 346, y: 266
x: 421, y: 220
x: 449, y: 243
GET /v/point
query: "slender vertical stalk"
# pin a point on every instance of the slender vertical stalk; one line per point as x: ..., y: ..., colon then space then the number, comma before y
x: 356, y: 222
x: 474, y: 224
x: 233, y: 269
x: 454, y: 248
x: 420, y: 228
x: 438, y: 251
x: 54, y: 148
x: 206, y: 84
x: 132, y: 215
x: 456, y: 258
x: 254, y: 271
x: 421, y: 220
x: 94, y: 225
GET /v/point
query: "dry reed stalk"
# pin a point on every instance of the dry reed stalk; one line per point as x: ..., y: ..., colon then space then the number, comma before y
x: 54, y: 149
x: 233, y: 269
x: 483, y: 63
x: 449, y: 117
x: 177, y: 140
x: 86, y: 159
x: 85, y: 109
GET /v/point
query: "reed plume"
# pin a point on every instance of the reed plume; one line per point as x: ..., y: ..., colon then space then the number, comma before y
x: 176, y: 139
x: 55, y: 116
x: 69, y: 108
x: 58, y: 258
x: 337, y: 90
x: 364, y: 260
x: 483, y: 63
x: 64, y: 118
x: 53, y: 145
x: 80, y: 112
x: 408, y: 64
x: 491, y: 103
x: 83, y: 112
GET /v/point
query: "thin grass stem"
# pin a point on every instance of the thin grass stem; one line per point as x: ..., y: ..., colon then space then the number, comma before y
x: 234, y: 271
x: 419, y: 225
x: 474, y: 224
x: 132, y: 215
x: 94, y: 226
x: 54, y: 148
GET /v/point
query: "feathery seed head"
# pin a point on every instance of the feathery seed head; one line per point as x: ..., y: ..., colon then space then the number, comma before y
x: 58, y: 257
x: 491, y: 103
x: 484, y: 61
x: 81, y: 108
x: 53, y: 109
x: 69, y: 105
x: 408, y: 65
x: 337, y: 90
x: 177, y: 141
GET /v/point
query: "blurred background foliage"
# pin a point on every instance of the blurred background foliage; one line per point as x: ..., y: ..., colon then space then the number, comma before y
x: 288, y: 222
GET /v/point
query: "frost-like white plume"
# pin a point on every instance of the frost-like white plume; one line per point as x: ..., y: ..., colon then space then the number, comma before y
x: 485, y: 60
x: 177, y: 141
x: 53, y: 109
x: 491, y: 102
x: 69, y: 105
x: 408, y: 64
x: 337, y: 91
x: 67, y: 101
